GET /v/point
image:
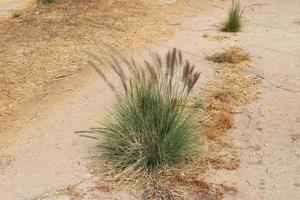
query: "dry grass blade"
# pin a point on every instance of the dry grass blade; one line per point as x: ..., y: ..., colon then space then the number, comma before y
x: 157, y: 62
x: 173, y: 62
x: 110, y: 85
x: 119, y: 71
x: 152, y: 72
x: 191, y: 82
x: 180, y: 57
x: 168, y: 61
x: 119, y: 68
x: 186, y: 70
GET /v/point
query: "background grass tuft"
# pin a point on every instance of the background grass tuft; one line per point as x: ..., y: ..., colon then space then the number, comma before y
x: 233, y: 23
x: 45, y: 1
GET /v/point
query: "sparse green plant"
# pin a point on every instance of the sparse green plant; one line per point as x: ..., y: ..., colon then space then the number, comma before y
x: 16, y: 14
x: 149, y: 128
x: 198, y: 104
x: 45, y: 1
x: 233, y: 23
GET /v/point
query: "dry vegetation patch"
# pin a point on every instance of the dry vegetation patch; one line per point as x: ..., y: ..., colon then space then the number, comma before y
x: 233, y: 55
x: 231, y: 87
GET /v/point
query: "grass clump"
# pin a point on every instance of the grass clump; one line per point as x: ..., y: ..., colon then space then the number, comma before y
x: 16, y: 14
x: 233, y: 23
x: 233, y: 55
x: 150, y: 128
x: 45, y: 1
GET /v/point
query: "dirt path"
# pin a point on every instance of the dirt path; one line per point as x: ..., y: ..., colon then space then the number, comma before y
x: 48, y: 155
x: 267, y: 131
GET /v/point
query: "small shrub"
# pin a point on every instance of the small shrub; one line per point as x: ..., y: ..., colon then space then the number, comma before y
x: 150, y: 127
x: 16, y: 14
x: 233, y: 23
x: 45, y: 1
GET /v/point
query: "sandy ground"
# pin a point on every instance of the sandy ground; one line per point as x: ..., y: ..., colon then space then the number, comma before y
x: 8, y: 6
x: 47, y: 155
x: 266, y: 133
x: 41, y: 59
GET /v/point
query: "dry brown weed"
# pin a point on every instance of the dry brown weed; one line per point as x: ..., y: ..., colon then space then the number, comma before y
x: 233, y: 55
x: 218, y: 163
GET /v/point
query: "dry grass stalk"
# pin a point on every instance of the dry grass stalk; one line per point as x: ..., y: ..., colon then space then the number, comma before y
x: 150, y: 70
